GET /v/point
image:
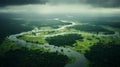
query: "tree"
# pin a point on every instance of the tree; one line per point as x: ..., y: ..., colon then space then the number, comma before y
x: 104, y: 55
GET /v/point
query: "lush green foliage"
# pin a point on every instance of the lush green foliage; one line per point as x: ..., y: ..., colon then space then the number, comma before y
x: 15, y: 55
x: 91, y: 29
x: 101, y: 51
x: 83, y: 45
x: 39, y: 39
x: 32, y: 58
x: 114, y: 24
x: 8, y: 45
x: 9, y: 26
x: 62, y: 40
x: 46, y: 23
x: 107, y: 55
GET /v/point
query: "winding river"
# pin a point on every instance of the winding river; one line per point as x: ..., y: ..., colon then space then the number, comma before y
x: 80, y: 60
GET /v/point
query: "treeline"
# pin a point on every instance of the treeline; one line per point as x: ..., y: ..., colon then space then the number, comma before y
x: 14, y: 55
x: 32, y: 58
x: 114, y: 24
x: 46, y: 23
x: 106, y: 55
x: 62, y: 40
x: 90, y: 28
x: 9, y: 26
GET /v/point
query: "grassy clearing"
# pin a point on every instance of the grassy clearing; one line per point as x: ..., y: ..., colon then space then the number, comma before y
x: 39, y: 39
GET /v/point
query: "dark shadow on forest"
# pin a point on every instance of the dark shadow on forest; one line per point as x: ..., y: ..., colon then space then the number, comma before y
x: 107, y: 55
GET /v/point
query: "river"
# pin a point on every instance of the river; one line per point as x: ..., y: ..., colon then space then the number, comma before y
x: 80, y: 58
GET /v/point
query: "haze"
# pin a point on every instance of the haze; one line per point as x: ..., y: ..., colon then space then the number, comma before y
x: 64, y: 6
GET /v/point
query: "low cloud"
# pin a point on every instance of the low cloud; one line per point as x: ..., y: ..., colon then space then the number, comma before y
x: 20, y: 2
x: 104, y: 3
x: 50, y: 9
x: 94, y: 3
x: 60, y: 6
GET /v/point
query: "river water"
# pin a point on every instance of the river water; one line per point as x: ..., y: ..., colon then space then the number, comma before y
x: 80, y: 60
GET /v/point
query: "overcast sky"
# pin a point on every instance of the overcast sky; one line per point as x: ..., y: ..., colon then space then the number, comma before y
x: 60, y: 6
x: 98, y: 3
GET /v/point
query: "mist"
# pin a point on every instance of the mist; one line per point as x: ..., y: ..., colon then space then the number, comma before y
x: 62, y: 6
x: 55, y: 9
x: 70, y: 32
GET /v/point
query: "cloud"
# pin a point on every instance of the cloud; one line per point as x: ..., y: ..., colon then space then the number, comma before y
x: 64, y: 1
x: 94, y: 3
x: 60, y: 6
x: 21, y: 2
x: 104, y: 3
x: 52, y: 9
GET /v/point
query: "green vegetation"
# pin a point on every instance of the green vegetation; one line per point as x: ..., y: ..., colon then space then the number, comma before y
x: 83, y: 45
x: 8, y: 45
x: 63, y: 40
x: 92, y: 29
x: 15, y: 55
x: 45, y: 23
x: 90, y: 40
x: 114, y: 24
x: 32, y: 58
x: 11, y: 25
x: 106, y: 55
x: 100, y: 51
x: 38, y: 39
